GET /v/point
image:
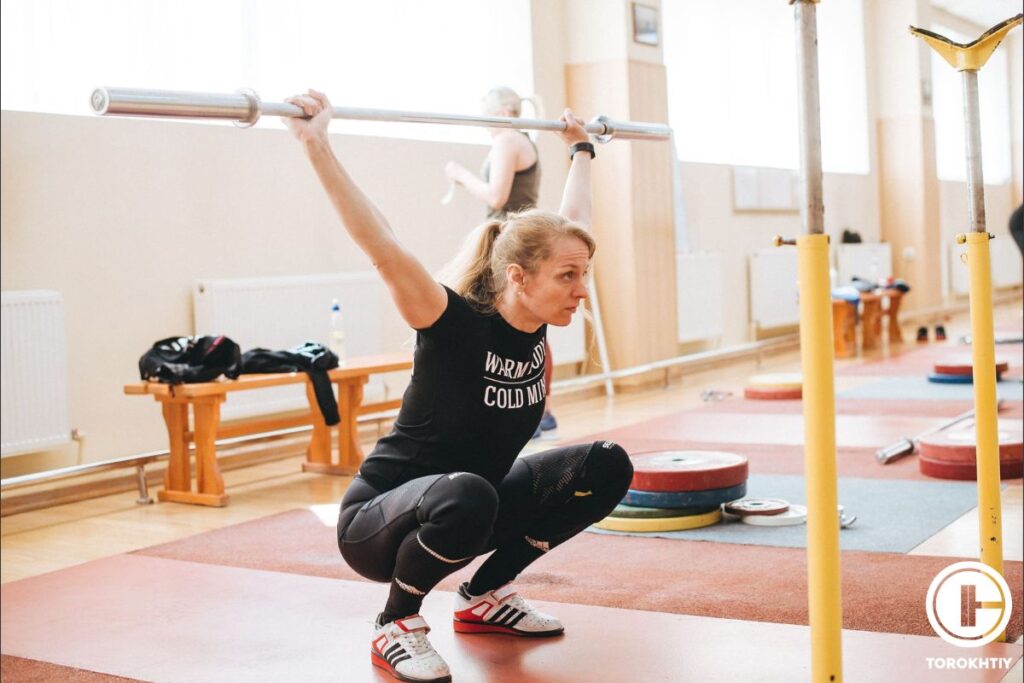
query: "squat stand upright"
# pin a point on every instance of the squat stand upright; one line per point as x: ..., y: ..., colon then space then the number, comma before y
x: 968, y: 60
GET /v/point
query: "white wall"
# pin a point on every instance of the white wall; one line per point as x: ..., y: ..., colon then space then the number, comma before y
x: 124, y: 215
x: 851, y: 201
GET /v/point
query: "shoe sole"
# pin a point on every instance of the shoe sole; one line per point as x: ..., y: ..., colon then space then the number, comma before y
x: 472, y: 627
x: 382, y: 663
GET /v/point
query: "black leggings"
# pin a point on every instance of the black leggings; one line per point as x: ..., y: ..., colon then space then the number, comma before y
x: 417, y: 533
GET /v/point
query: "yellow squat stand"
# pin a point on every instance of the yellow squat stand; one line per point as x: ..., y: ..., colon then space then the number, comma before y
x: 968, y: 58
x: 816, y: 349
x: 823, y: 575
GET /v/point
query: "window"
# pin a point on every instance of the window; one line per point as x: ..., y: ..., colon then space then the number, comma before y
x: 948, y: 110
x: 732, y: 83
x: 385, y: 54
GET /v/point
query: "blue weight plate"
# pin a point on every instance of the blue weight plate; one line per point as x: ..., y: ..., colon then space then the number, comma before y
x: 940, y: 378
x: 684, y: 499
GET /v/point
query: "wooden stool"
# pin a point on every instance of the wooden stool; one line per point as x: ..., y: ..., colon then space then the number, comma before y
x: 893, y: 296
x: 844, y: 328
x: 870, y: 321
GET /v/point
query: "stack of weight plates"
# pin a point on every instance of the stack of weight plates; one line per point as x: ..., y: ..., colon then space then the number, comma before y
x: 775, y: 387
x: 767, y: 512
x: 960, y: 370
x: 953, y: 453
x: 678, y: 490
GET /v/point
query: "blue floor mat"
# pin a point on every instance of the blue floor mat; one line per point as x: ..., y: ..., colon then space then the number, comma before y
x: 893, y: 515
x: 919, y: 388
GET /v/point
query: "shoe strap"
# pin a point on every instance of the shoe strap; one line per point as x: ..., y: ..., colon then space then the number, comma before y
x: 413, y: 623
x: 504, y: 592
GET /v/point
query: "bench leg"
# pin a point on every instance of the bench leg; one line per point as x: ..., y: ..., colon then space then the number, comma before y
x: 178, y: 476
x: 895, y: 334
x: 318, y: 454
x: 871, y: 325
x: 350, y: 456
x: 209, y: 482
x: 842, y: 325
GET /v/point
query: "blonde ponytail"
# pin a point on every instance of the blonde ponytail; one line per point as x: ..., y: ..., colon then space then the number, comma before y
x: 478, y: 271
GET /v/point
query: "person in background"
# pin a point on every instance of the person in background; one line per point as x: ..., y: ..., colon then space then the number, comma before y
x: 1017, y: 227
x: 508, y: 183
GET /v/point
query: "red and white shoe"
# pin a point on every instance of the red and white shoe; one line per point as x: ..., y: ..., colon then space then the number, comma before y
x: 502, y: 611
x: 401, y: 648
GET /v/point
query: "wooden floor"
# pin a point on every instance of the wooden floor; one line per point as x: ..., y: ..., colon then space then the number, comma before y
x: 41, y: 541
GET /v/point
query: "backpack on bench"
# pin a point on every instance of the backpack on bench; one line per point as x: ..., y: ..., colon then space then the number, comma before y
x: 187, y: 360
x: 310, y: 357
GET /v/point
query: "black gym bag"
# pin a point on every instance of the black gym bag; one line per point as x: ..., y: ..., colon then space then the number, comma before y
x: 186, y: 360
x: 310, y: 357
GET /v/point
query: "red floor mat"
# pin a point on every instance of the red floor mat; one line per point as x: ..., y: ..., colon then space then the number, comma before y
x: 852, y: 431
x: 881, y: 591
x: 20, y: 670
x: 206, y: 623
x: 921, y: 361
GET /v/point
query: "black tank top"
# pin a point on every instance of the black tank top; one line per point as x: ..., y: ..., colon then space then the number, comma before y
x: 523, y: 194
x: 475, y: 399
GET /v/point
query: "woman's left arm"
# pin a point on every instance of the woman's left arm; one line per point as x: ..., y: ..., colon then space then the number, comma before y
x: 577, y: 195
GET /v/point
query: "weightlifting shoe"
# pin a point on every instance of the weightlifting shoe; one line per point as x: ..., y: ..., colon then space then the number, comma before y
x: 548, y: 422
x: 401, y: 648
x: 501, y: 611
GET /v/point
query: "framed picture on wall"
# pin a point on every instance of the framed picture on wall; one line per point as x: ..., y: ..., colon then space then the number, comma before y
x: 645, y: 24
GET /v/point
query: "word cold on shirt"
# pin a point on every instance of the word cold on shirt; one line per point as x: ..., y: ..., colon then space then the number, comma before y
x: 510, y: 384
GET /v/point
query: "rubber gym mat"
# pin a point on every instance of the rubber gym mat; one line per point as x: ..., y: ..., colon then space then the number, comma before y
x: 868, y: 431
x: 881, y: 591
x: 919, y: 388
x: 209, y: 623
x: 863, y: 406
x: 920, y: 361
x: 892, y: 516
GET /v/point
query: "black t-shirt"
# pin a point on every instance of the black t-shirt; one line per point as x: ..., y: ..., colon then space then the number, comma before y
x: 475, y: 399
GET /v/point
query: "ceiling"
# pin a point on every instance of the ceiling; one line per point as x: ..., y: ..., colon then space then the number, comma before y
x: 986, y: 13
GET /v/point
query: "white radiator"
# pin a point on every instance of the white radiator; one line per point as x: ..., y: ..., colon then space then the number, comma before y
x: 282, y: 312
x: 34, y: 373
x: 774, y: 292
x: 867, y: 261
x: 699, y: 296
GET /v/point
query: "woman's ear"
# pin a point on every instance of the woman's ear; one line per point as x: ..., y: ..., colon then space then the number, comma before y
x: 516, y: 275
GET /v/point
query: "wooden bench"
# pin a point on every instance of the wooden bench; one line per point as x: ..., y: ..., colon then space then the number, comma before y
x: 874, y: 307
x: 205, y: 399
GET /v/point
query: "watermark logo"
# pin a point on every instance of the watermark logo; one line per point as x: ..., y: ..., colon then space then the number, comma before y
x: 968, y: 604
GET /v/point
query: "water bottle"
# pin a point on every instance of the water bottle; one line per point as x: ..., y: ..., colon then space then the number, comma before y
x: 337, y: 342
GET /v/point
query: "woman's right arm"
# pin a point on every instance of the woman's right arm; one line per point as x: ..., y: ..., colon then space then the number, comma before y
x: 496, y: 189
x: 419, y: 298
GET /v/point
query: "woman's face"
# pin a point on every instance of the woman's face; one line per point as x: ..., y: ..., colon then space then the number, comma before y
x: 554, y: 291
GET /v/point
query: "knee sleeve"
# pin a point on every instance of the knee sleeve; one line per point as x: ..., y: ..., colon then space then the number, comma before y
x: 608, y: 466
x: 457, y: 515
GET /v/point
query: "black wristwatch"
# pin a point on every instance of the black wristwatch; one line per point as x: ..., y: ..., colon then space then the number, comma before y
x: 582, y: 147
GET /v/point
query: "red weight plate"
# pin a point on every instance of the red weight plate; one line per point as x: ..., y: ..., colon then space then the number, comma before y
x: 683, y: 471
x: 764, y: 394
x: 960, y: 444
x: 964, y: 365
x: 968, y: 471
